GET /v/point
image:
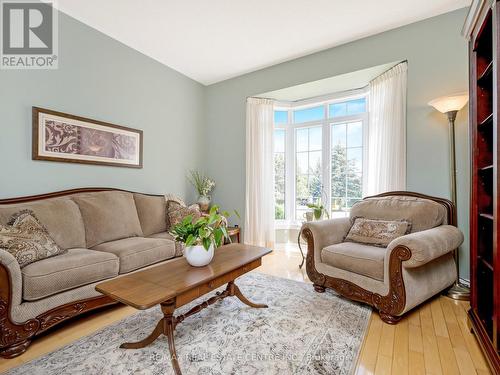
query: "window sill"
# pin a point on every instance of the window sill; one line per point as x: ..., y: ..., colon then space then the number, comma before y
x: 283, y: 224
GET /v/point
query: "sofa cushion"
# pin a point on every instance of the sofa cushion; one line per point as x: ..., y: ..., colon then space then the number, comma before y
x: 364, y: 260
x: 27, y: 239
x: 108, y: 216
x: 179, y: 246
x: 77, y: 267
x: 61, y: 217
x: 164, y: 235
x: 152, y: 211
x: 421, y: 213
x: 138, y: 252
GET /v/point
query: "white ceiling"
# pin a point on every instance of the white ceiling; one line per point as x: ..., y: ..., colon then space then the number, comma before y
x: 340, y: 83
x: 213, y: 40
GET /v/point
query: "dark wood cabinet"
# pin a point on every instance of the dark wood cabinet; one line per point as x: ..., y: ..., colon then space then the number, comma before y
x: 484, y: 31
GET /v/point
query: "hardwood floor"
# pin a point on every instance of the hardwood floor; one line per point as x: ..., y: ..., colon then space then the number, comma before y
x: 433, y: 339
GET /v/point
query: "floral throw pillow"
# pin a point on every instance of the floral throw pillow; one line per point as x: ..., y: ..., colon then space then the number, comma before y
x: 27, y: 239
x: 177, y: 211
x: 377, y: 232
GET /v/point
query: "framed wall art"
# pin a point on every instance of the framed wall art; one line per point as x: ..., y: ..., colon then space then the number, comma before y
x: 63, y: 137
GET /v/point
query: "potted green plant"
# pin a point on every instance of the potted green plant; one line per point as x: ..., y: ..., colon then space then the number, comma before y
x: 202, y: 236
x: 204, y: 186
x: 318, y: 210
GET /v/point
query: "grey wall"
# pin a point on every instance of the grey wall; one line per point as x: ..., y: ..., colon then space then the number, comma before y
x: 437, y: 65
x: 103, y: 79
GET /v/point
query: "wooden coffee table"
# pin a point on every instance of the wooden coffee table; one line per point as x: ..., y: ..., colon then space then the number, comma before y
x: 176, y: 283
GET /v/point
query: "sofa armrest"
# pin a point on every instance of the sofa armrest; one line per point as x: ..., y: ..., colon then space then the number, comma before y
x: 428, y: 244
x: 10, y: 279
x: 327, y: 232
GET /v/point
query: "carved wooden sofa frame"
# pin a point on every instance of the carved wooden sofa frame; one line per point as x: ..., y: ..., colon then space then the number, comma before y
x: 392, y: 304
x: 15, y: 338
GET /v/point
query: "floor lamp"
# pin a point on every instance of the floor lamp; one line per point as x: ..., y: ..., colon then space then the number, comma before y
x: 450, y: 105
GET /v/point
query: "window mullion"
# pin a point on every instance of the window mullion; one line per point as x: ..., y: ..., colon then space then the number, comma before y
x: 290, y: 171
x: 327, y: 190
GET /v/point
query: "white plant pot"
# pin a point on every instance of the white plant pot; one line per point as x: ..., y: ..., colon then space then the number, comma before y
x: 197, y: 256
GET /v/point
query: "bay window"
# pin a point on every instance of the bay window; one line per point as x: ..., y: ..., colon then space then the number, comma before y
x: 319, y: 155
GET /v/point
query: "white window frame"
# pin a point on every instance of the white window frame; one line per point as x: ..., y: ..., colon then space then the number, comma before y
x: 290, y: 128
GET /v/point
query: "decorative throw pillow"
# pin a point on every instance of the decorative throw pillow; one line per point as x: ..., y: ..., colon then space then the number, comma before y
x: 27, y: 239
x: 377, y: 232
x: 175, y: 199
x: 177, y: 211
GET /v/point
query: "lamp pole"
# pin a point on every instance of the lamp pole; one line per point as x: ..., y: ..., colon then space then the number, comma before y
x: 452, y: 115
x: 458, y: 290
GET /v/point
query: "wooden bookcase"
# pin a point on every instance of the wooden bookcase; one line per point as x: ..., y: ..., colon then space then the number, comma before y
x: 484, y: 232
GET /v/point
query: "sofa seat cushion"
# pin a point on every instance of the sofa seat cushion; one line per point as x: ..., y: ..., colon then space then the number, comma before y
x: 364, y: 260
x: 164, y: 235
x: 179, y: 246
x: 108, y: 216
x: 422, y: 213
x: 152, y: 211
x: 138, y: 252
x: 75, y: 268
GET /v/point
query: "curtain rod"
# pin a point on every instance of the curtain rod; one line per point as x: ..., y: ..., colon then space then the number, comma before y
x: 259, y: 97
x: 392, y: 67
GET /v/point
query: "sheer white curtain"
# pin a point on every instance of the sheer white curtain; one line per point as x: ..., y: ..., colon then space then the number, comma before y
x: 386, y: 162
x: 259, y: 200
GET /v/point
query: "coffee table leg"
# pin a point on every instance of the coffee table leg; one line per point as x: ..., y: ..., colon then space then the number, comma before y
x: 168, y: 330
x: 235, y: 291
x: 165, y: 326
x: 148, y: 340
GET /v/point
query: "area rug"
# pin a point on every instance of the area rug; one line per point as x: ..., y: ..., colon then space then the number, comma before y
x: 302, y: 332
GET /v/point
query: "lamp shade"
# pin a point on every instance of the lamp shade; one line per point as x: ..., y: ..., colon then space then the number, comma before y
x: 449, y: 103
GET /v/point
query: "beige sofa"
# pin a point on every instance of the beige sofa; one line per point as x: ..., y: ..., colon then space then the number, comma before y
x: 106, y: 232
x: 395, y: 279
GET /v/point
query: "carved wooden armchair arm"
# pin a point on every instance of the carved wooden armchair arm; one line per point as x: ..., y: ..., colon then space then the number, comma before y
x: 428, y: 245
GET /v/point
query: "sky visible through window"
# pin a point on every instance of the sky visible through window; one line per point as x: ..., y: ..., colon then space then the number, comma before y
x: 280, y: 117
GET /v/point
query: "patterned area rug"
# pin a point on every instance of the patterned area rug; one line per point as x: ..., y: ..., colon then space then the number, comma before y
x: 302, y: 332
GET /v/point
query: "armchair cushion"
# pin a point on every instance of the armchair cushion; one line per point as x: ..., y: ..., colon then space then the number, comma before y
x: 326, y: 232
x: 429, y: 244
x: 421, y: 213
x: 361, y: 259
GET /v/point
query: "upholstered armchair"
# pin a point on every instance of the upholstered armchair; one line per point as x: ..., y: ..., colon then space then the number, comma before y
x: 392, y: 279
